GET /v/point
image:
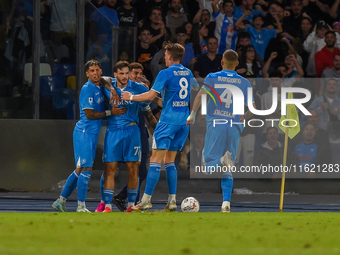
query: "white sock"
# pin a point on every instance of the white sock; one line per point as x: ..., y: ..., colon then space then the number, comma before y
x: 146, y: 198
x: 62, y: 198
x: 226, y: 204
x: 131, y: 204
x: 102, y: 201
x: 171, y: 197
x: 81, y: 204
x: 108, y: 205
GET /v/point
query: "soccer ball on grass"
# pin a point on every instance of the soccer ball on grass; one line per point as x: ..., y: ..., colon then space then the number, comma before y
x: 190, y: 204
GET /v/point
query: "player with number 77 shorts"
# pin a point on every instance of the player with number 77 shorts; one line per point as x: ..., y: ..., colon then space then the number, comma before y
x: 174, y: 83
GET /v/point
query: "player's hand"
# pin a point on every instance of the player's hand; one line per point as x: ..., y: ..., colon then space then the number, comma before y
x: 126, y: 96
x: 191, y: 118
x: 241, y: 118
x: 115, y: 110
x: 114, y: 100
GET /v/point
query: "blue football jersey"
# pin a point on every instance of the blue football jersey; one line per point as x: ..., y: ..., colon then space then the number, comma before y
x: 174, y: 84
x: 132, y: 107
x: 219, y: 82
x: 91, y: 97
x: 261, y: 39
x: 306, y: 153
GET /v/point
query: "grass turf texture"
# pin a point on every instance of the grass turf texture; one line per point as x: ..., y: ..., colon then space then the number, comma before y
x: 169, y: 233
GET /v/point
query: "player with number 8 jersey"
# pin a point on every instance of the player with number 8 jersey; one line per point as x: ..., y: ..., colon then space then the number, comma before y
x: 174, y: 84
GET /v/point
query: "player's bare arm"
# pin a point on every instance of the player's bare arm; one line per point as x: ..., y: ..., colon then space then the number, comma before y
x: 107, y: 83
x: 92, y: 115
x: 151, y: 119
x: 147, y: 96
x: 158, y: 101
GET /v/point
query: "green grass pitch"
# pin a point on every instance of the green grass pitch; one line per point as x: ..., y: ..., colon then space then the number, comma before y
x: 169, y: 233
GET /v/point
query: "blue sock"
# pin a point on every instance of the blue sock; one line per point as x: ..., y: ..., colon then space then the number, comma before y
x: 171, y: 177
x: 131, y: 195
x: 152, y: 178
x: 70, y: 185
x: 108, y: 194
x: 227, y: 186
x: 102, y: 187
x: 83, y: 184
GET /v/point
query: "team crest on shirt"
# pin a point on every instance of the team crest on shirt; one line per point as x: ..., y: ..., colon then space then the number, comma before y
x: 91, y: 100
x: 230, y: 28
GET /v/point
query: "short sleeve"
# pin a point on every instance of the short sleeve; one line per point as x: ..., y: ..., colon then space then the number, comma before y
x: 160, y: 82
x: 86, y: 98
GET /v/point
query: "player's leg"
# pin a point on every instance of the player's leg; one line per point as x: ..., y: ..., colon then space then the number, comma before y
x: 177, y: 143
x: 101, y: 206
x: 82, y: 150
x: 171, y: 178
x: 233, y: 139
x: 214, y: 146
x: 109, y: 184
x: 132, y: 186
x: 151, y: 179
x: 70, y: 186
x: 85, y: 162
x: 161, y: 143
x: 112, y: 154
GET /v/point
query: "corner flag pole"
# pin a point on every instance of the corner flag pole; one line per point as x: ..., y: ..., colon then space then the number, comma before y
x: 290, y: 131
x: 283, y: 172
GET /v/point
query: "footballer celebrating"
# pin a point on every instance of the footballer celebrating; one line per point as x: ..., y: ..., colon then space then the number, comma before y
x: 174, y: 83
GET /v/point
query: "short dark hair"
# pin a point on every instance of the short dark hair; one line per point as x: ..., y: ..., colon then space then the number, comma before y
x: 338, y: 54
x: 143, y: 29
x: 275, y: 74
x: 243, y: 34
x: 120, y: 65
x: 330, y: 32
x: 136, y: 65
x: 91, y: 62
x: 211, y: 37
x: 268, y: 128
x: 258, y: 16
x: 227, y: 1
x: 281, y: 64
x: 181, y: 30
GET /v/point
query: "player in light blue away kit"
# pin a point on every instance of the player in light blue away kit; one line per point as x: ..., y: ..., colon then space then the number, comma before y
x: 122, y: 138
x: 171, y: 131
x: 222, y: 140
x: 85, y: 137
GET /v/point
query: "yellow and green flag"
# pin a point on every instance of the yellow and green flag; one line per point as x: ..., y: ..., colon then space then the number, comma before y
x: 291, y: 115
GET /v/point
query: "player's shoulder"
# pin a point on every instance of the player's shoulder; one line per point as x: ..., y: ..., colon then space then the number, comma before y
x: 138, y: 86
x: 179, y: 70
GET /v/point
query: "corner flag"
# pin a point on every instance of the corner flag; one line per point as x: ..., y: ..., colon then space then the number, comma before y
x: 293, y: 118
x: 290, y: 130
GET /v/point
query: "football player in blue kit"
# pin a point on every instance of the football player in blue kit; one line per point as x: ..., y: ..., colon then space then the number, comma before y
x: 85, y: 136
x: 222, y: 140
x: 122, y: 138
x: 174, y: 83
x: 135, y: 74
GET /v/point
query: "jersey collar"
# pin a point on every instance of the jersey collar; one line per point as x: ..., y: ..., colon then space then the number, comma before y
x: 229, y: 71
